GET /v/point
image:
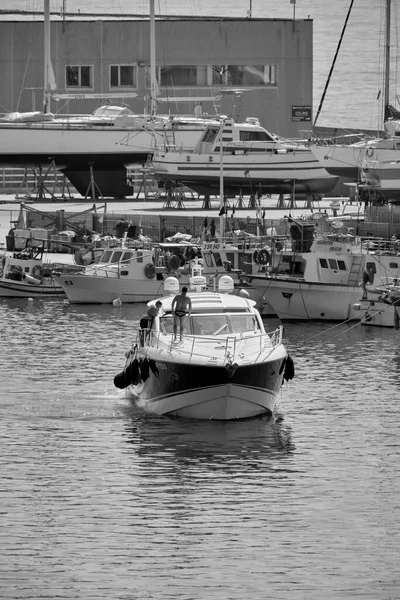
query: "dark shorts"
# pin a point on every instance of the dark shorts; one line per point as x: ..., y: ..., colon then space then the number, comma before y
x: 180, y: 313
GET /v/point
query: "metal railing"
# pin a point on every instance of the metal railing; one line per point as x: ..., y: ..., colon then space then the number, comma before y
x: 226, y: 346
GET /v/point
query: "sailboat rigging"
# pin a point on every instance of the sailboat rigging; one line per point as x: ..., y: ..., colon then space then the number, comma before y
x: 345, y: 160
x: 91, y: 147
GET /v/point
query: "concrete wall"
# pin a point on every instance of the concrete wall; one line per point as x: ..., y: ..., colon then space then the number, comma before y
x: 179, y: 42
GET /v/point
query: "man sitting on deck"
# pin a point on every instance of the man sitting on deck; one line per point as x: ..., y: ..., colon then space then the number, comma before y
x: 181, y: 306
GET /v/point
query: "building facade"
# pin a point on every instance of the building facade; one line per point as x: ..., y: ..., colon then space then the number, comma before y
x: 238, y: 67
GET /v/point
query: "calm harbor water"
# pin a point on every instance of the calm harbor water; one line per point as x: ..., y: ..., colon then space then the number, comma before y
x: 99, y: 500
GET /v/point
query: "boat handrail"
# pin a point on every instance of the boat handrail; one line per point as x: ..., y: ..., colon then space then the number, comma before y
x: 228, y: 344
x: 380, y: 245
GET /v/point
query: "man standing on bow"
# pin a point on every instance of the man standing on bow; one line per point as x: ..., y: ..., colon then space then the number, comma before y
x: 181, y: 307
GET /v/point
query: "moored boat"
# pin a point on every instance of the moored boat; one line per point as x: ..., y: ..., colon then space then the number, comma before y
x: 226, y: 367
x: 329, y: 287
x: 24, y: 275
x: 383, y: 309
x: 130, y: 273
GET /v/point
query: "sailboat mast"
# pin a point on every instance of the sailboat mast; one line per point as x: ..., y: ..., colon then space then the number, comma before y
x: 153, y: 81
x: 221, y: 183
x: 46, y: 98
x: 387, y: 58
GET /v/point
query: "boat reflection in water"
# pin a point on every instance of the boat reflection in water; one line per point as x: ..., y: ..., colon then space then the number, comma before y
x: 221, y: 444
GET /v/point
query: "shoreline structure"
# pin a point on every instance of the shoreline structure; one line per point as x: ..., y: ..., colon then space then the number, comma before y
x: 160, y: 217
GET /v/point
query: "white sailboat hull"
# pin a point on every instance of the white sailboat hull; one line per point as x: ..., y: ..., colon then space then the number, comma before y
x: 75, y: 146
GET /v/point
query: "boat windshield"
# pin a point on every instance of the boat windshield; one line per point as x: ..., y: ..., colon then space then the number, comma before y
x: 215, y: 324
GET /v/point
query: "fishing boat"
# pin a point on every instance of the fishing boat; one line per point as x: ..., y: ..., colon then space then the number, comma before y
x: 93, y: 151
x: 226, y: 367
x: 252, y: 159
x: 130, y: 273
x: 28, y: 274
x: 328, y: 287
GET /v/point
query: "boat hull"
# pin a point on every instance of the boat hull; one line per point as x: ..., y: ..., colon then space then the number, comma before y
x: 304, y: 301
x: 272, y: 173
x: 19, y: 289
x: 345, y: 161
x: 90, y: 289
x: 206, y: 392
x: 74, y: 149
x: 376, y: 313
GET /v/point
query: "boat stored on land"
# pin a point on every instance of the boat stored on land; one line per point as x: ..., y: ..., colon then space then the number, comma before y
x: 250, y: 159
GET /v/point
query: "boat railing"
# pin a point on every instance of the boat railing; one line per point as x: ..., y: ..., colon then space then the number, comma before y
x: 226, y: 345
x: 378, y: 245
x: 390, y: 282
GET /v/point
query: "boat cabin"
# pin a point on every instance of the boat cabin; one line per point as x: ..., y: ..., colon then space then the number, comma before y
x: 237, y: 138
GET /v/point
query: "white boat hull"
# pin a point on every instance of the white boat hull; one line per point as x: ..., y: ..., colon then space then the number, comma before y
x: 270, y: 172
x: 375, y: 313
x: 303, y: 301
x: 75, y: 146
x: 346, y: 161
x: 223, y: 403
x: 91, y: 289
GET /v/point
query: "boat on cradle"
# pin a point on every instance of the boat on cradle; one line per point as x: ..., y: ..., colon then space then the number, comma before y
x: 252, y: 159
x: 383, y: 309
x: 329, y: 287
x: 380, y: 180
x: 93, y: 151
x: 345, y: 160
x: 226, y: 367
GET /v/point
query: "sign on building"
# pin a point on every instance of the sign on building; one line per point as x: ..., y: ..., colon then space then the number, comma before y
x: 301, y: 113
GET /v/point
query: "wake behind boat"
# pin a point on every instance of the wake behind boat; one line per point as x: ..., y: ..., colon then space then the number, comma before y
x: 226, y: 366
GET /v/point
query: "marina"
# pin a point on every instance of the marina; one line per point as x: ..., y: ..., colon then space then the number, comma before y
x: 248, y: 448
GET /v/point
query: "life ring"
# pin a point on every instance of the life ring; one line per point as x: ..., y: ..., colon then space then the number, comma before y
x: 255, y: 256
x: 37, y: 272
x: 149, y: 270
x: 370, y: 152
x: 174, y: 262
x: 263, y: 257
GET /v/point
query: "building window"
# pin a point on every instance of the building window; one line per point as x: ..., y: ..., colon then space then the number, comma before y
x: 185, y: 76
x: 244, y: 75
x: 123, y: 76
x: 217, y: 75
x: 78, y: 76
